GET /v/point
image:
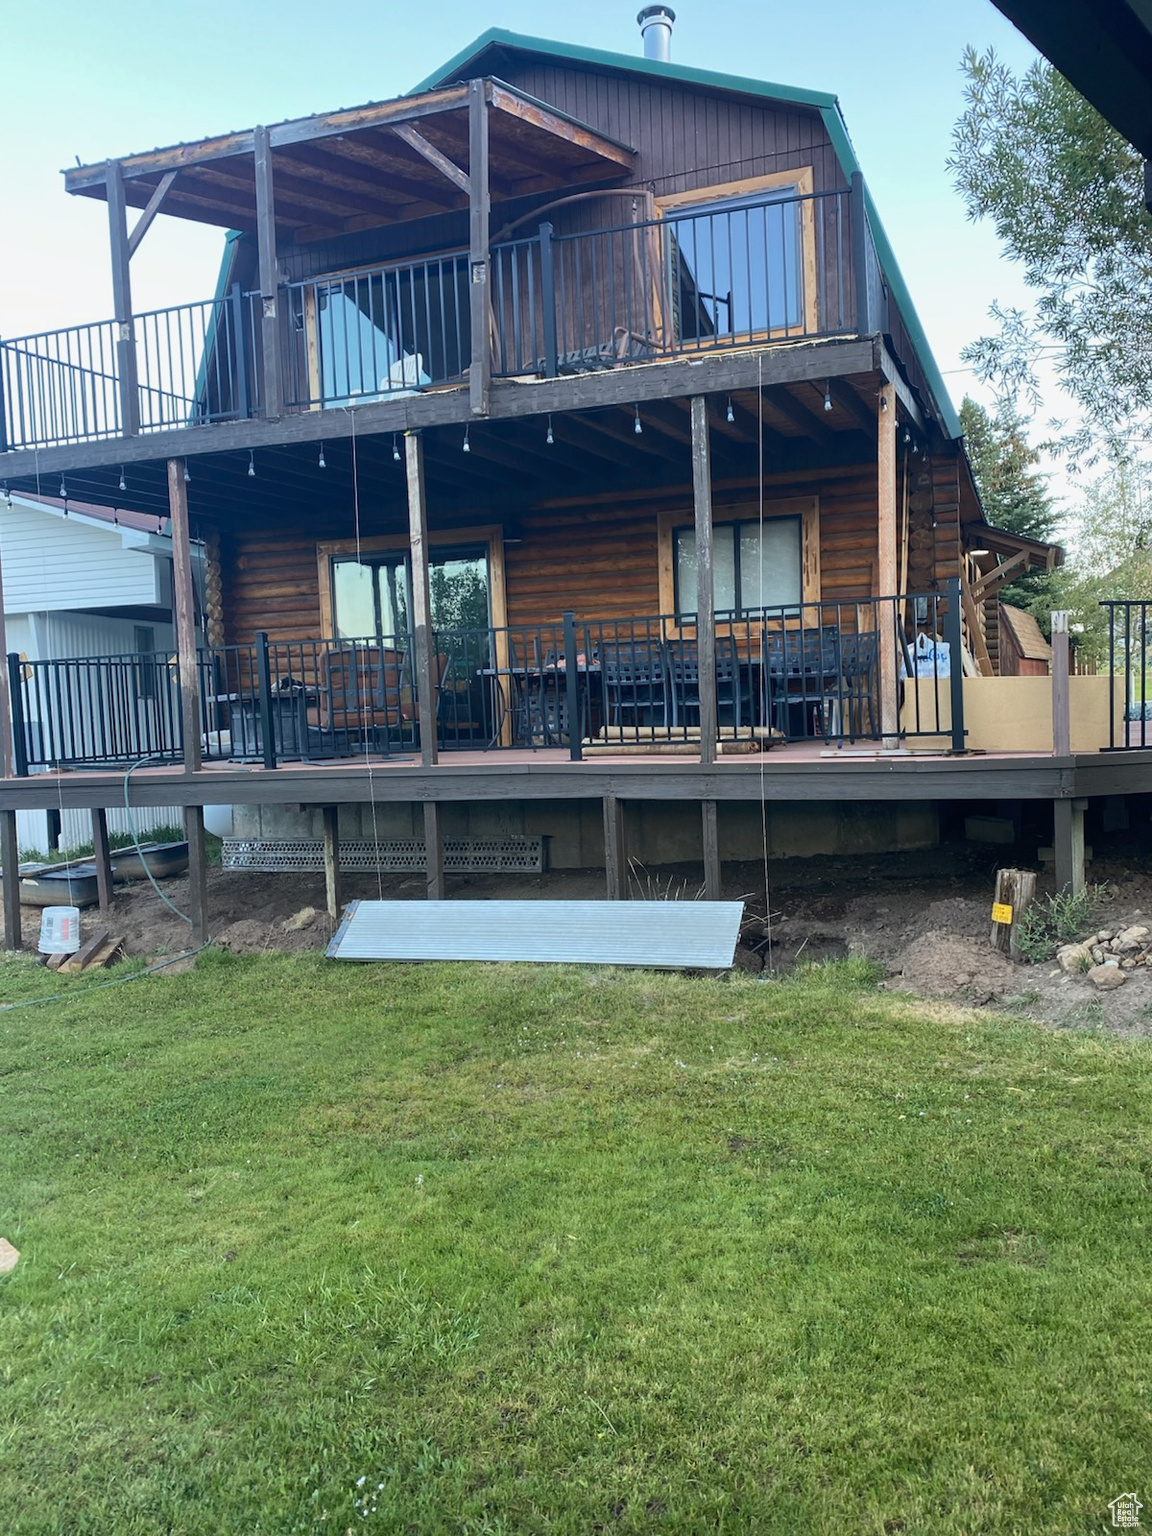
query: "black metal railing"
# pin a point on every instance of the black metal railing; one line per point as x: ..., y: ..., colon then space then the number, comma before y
x: 823, y: 672
x: 1129, y: 666
x: 377, y: 331
x: 753, y: 272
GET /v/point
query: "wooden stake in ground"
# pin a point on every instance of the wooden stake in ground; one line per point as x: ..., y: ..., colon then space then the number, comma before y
x: 1015, y: 892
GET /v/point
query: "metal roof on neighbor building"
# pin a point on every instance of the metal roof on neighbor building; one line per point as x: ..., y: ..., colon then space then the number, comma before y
x: 661, y: 935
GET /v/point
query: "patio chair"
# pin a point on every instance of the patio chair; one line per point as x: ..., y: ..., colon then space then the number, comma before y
x: 359, y: 697
x: 858, y: 658
x: 635, y: 683
x: 802, y: 672
x: 684, y: 677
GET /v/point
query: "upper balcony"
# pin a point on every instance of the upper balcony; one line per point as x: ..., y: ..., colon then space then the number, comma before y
x: 298, y: 324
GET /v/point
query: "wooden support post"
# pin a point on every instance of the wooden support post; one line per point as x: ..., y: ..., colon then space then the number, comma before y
x: 865, y: 319
x: 1061, y: 700
x: 479, y: 206
x: 269, y: 273
x: 886, y: 575
x: 422, y: 638
x: 13, y: 753
x: 129, y: 393
x: 197, y: 872
x: 1015, y: 892
x: 332, y: 891
x: 711, y: 850
x: 10, y: 858
x: 705, y: 590
x: 1068, y: 844
x: 615, y: 849
x: 434, y: 851
x: 184, y: 595
x: 102, y: 857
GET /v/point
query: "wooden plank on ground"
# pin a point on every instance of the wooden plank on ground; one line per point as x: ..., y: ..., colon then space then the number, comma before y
x: 80, y: 958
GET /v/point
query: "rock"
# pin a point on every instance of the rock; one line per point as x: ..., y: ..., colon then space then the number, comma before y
x: 1074, y: 958
x: 8, y: 1256
x: 299, y: 920
x: 1105, y: 935
x: 1098, y: 953
x: 1133, y: 938
x: 746, y: 959
x: 1106, y: 978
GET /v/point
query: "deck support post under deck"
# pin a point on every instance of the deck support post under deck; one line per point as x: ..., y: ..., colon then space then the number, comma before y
x: 184, y: 602
x: 102, y: 857
x: 422, y: 637
x: 330, y: 815
x: 711, y: 834
x: 479, y: 208
x: 126, y: 368
x: 705, y: 591
x: 434, y: 851
x: 1068, y: 844
x: 887, y: 579
x: 269, y: 276
x: 10, y: 858
x: 615, y: 852
x: 197, y: 872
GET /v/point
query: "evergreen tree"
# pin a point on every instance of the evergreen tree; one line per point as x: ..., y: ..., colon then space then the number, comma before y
x: 1014, y: 493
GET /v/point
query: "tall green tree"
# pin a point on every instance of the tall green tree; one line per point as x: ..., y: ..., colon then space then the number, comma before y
x: 1014, y: 491
x: 1110, y: 555
x: 1066, y: 194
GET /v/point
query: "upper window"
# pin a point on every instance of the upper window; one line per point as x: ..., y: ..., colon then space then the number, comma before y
x: 736, y: 267
x: 754, y: 566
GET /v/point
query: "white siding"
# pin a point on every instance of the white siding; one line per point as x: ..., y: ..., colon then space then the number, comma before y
x: 59, y: 562
x: 76, y: 826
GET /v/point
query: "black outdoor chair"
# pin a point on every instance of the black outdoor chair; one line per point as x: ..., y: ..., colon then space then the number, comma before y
x: 684, y: 679
x: 802, y: 674
x: 858, y: 660
x: 635, y: 683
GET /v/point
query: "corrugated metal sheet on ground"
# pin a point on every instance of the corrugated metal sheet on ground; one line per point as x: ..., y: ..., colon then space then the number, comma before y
x: 665, y: 935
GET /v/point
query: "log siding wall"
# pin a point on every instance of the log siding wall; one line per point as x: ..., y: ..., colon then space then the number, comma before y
x: 597, y: 556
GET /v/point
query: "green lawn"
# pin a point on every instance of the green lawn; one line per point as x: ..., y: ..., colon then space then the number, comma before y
x: 308, y: 1247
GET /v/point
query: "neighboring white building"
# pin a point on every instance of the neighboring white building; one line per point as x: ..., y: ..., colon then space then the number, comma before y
x: 80, y: 581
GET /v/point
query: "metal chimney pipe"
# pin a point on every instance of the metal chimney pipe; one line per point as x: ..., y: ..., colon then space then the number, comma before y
x: 655, y: 22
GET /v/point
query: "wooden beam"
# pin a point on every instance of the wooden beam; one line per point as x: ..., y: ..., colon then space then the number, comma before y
x: 269, y: 275
x: 479, y: 209
x: 423, y: 640
x: 416, y: 140
x: 128, y: 384
x: 538, y: 115
x: 184, y: 602
x: 1068, y: 844
x: 330, y: 815
x: 886, y: 574
x: 370, y: 173
x: 992, y: 581
x: 802, y: 419
x: 197, y: 872
x: 711, y: 850
x: 615, y: 849
x: 434, y: 852
x: 705, y: 589
x: 972, y: 619
x: 102, y: 857
x: 151, y: 209
x: 846, y: 398
x: 10, y: 858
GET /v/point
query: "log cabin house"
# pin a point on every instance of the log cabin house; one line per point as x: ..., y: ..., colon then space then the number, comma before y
x: 561, y: 438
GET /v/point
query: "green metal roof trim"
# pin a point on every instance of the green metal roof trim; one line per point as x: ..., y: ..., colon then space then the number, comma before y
x: 828, y: 106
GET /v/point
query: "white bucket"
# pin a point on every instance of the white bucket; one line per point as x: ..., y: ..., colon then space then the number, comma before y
x: 59, y: 931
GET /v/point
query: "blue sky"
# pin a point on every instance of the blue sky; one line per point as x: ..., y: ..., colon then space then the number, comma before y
x: 97, y: 80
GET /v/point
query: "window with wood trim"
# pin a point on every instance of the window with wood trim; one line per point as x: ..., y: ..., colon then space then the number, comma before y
x: 754, y: 566
x: 762, y: 558
x: 740, y: 260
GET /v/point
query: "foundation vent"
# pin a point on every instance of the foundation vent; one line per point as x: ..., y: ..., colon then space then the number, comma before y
x: 392, y: 855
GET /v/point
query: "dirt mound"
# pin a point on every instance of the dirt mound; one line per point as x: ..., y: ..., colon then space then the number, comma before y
x: 941, y: 964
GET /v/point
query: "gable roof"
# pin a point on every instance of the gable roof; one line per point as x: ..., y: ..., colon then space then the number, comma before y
x: 480, y: 55
x: 1025, y: 631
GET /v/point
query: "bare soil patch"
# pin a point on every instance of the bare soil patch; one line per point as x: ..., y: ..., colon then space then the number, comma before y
x: 923, y: 916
